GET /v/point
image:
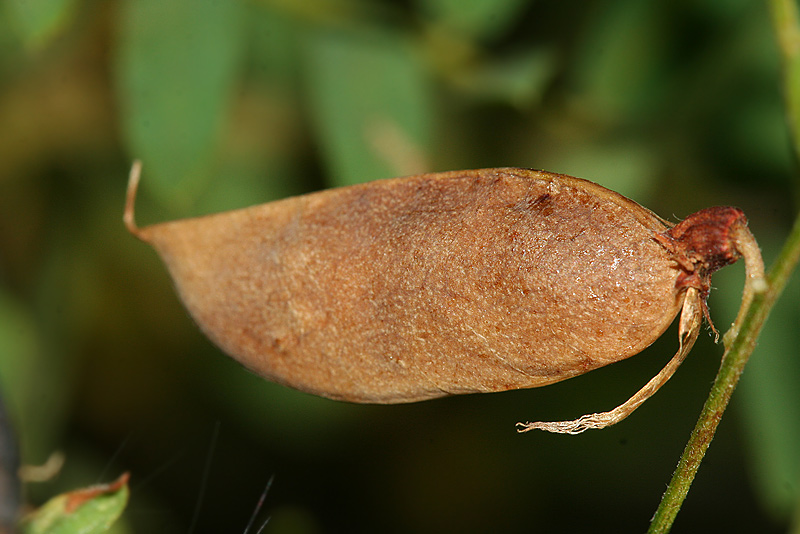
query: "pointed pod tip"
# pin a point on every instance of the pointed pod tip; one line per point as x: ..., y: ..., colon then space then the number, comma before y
x: 128, y: 216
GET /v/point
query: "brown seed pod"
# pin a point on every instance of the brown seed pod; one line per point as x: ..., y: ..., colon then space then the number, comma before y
x: 460, y: 282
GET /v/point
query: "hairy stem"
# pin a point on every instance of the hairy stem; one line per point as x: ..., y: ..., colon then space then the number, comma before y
x: 736, y: 355
x: 740, y: 344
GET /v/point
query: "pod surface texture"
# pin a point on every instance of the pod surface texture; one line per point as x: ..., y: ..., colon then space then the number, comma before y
x: 413, y: 288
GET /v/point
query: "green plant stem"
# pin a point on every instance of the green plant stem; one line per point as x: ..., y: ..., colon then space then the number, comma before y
x: 786, y: 24
x: 736, y: 355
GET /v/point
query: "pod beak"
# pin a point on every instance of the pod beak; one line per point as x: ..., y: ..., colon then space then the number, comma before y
x: 128, y: 216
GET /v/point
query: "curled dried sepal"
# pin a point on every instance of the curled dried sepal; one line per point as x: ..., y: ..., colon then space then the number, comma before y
x: 691, y: 319
x: 705, y: 242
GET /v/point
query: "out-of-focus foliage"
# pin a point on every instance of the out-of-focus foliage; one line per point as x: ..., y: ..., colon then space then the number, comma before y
x: 177, y: 65
x: 85, y: 511
x: 370, y: 103
x: 676, y: 104
x: 38, y: 21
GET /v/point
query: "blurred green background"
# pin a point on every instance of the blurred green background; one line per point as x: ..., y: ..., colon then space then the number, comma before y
x: 232, y: 103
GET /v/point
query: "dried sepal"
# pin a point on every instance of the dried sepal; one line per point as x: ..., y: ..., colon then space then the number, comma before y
x: 701, y: 244
x: 690, y: 321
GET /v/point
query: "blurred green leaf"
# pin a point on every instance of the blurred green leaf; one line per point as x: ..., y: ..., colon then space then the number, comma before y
x: 85, y: 511
x: 38, y: 21
x: 18, y: 348
x: 264, y: 130
x: 479, y: 19
x: 623, y: 164
x: 246, y: 183
x: 757, y: 136
x: 273, y: 44
x: 302, y: 419
x: 177, y: 65
x: 371, y: 105
x: 519, y: 80
x: 34, y: 391
x: 618, y: 64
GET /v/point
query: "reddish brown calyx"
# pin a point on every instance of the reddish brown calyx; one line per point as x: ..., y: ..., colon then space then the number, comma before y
x: 701, y: 244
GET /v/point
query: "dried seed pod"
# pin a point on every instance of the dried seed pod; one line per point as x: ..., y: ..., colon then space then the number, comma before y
x: 477, y: 281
